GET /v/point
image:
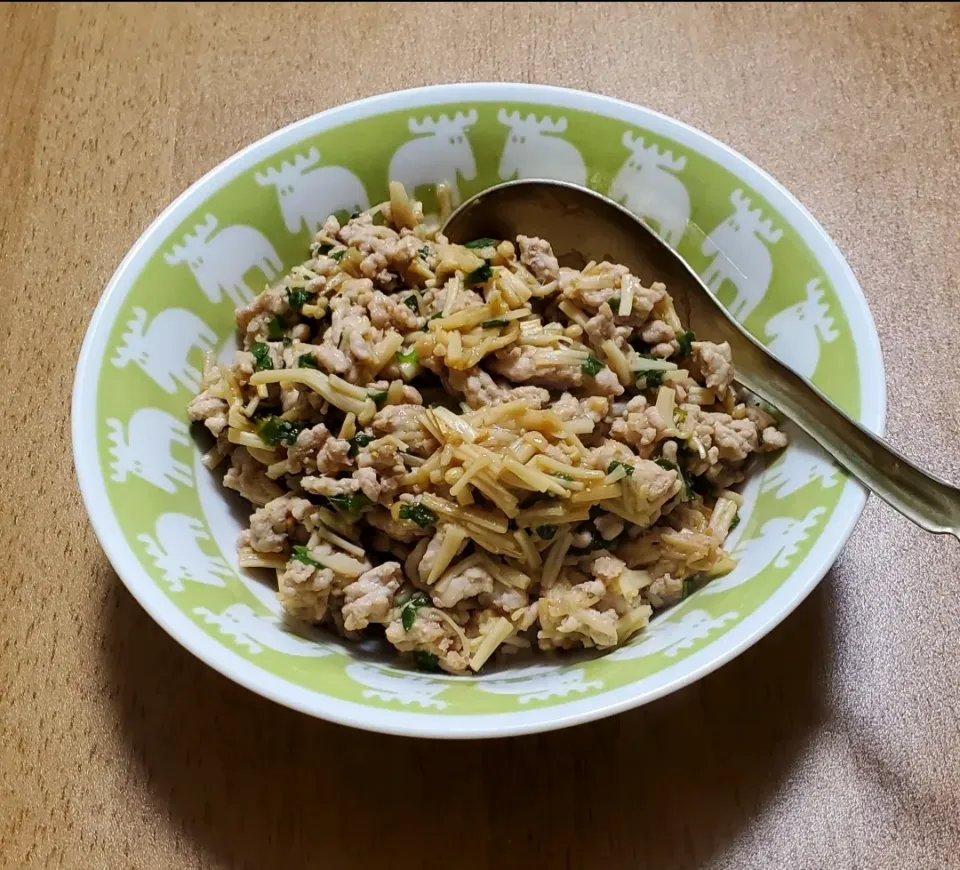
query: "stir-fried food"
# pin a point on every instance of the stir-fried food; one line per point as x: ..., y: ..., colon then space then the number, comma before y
x: 473, y: 448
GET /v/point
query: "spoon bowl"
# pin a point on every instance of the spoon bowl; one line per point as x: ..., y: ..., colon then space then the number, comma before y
x: 583, y: 225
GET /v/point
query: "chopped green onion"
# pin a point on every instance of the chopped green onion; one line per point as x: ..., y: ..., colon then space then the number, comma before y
x: 480, y: 275
x: 358, y: 442
x: 546, y: 532
x: 412, y: 304
x: 686, y: 340
x: 408, y: 358
x: 613, y: 466
x: 426, y: 661
x: 273, y: 430
x: 651, y: 379
x: 306, y: 361
x: 338, y: 255
x: 424, y: 252
x: 494, y: 324
x: 435, y: 315
x: 419, y: 514
x: 275, y: 329
x: 592, y: 366
x: 302, y: 554
x: 480, y: 243
x: 408, y: 613
x: 688, y: 588
x: 350, y: 503
x: 562, y: 476
x: 323, y: 250
x: 261, y: 356
x: 379, y: 398
x: 297, y: 297
x: 735, y: 521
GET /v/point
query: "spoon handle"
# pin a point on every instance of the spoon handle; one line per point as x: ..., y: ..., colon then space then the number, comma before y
x: 932, y: 503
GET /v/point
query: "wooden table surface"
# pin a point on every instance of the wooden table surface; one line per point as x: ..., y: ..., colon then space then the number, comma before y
x: 833, y: 743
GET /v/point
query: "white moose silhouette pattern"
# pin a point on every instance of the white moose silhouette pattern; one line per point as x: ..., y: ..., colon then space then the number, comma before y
x: 796, y: 332
x: 441, y: 151
x: 175, y: 550
x: 801, y: 464
x: 145, y: 449
x: 778, y: 542
x: 740, y: 254
x: 219, y: 260
x: 309, y: 193
x: 162, y: 348
x: 404, y: 687
x: 669, y: 636
x: 646, y: 187
x: 256, y: 633
x: 539, y: 683
x: 533, y: 152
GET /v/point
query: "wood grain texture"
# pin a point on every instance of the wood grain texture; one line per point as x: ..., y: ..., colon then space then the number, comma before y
x: 833, y: 743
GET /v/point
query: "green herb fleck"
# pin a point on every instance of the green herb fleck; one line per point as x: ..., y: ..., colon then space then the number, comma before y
x: 688, y: 588
x: 686, y: 340
x: 379, y: 398
x: 480, y: 243
x: 338, y: 255
x: 435, y: 315
x: 494, y: 324
x: 424, y: 252
x: 323, y: 250
x: 275, y: 329
x: 592, y: 366
x: 736, y: 521
x: 355, y: 215
x: 306, y: 361
x: 412, y: 304
x: 350, y: 503
x: 302, y: 554
x: 614, y: 303
x: 358, y: 442
x: 419, y: 514
x: 651, y: 379
x: 409, y: 357
x: 273, y: 430
x: 562, y: 476
x: 613, y: 466
x: 297, y: 297
x: 426, y: 661
x: 480, y: 275
x: 546, y: 532
x: 408, y: 613
x: 261, y: 356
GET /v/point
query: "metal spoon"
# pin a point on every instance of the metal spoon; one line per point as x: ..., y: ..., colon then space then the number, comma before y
x: 583, y: 225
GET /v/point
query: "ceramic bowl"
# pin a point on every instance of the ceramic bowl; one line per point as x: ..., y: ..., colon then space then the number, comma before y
x: 170, y: 533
